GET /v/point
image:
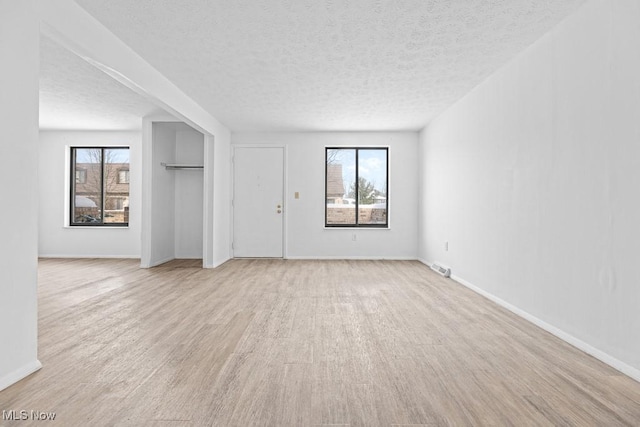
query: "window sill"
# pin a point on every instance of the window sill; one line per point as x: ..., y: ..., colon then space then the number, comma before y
x: 97, y: 227
x: 356, y: 228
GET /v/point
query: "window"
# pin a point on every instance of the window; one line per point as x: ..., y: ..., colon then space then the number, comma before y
x: 356, y: 187
x: 100, y: 186
x: 123, y: 176
x: 81, y: 176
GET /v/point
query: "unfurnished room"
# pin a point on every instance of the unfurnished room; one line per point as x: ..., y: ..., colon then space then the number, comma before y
x: 320, y: 213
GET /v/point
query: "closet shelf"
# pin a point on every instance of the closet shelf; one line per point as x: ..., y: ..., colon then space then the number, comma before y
x: 181, y: 166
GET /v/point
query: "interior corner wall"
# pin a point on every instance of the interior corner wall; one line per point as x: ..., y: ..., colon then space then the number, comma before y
x: 306, y: 236
x: 19, y: 50
x: 163, y: 217
x: 533, y: 178
x: 188, y: 195
x: 57, y: 240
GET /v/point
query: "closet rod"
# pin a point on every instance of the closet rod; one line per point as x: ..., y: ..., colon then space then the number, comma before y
x: 181, y: 166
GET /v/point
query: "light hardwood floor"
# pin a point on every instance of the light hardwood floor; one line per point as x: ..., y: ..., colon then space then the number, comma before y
x: 297, y: 343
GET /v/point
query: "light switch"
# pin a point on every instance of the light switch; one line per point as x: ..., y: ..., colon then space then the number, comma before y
x: 297, y: 195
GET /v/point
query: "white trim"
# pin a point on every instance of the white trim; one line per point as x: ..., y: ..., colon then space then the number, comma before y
x: 364, y: 258
x: 147, y: 217
x: 67, y: 186
x: 207, y: 203
x: 362, y: 227
x: 218, y: 263
x: 231, y: 176
x: 162, y: 261
x: 20, y: 373
x: 88, y: 256
x: 285, y: 198
x: 566, y: 337
x: 97, y: 227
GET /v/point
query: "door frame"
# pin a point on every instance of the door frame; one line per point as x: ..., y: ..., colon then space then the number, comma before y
x: 285, y: 192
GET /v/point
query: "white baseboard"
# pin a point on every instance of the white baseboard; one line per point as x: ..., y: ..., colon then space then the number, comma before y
x: 65, y: 256
x: 568, y: 338
x: 218, y: 263
x: 18, y: 374
x: 160, y: 262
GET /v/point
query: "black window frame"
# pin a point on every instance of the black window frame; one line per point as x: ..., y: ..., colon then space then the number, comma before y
x: 72, y: 187
x: 357, y: 150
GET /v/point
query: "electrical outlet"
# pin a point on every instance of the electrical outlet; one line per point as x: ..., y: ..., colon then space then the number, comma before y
x: 354, y: 237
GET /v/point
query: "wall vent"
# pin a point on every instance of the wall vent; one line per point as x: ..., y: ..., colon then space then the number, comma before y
x: 443, y: 271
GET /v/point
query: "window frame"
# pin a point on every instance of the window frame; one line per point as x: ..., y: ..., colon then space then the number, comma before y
x: 357, y: 149
x: 72, y: 186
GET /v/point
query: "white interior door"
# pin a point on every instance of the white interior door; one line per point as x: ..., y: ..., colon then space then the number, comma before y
x: 258, y: 202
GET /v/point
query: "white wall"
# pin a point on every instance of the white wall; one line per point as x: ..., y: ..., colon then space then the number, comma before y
x: 533, y: 178
x: 218, y: 203
x: 19, y: 39
x: 57, y: 240
x: 188, y: 197
x: 163, y: 193
x: 306, y: 236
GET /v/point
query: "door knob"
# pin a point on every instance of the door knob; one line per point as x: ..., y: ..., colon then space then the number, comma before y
x: 279, y: 206
x: 279, y: 211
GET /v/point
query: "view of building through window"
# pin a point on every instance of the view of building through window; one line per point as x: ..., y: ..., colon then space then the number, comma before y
x: 356, y: 183
x: 100, y: 187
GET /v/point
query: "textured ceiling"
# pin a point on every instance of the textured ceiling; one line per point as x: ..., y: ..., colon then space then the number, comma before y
x: 75, y: 95
x: 328, y: 64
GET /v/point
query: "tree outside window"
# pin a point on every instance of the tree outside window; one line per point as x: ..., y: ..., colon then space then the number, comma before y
x: 356, y: 184
x: 100, y: 190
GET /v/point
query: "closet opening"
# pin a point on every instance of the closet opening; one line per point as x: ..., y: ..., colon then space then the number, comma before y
x: 176, y: 210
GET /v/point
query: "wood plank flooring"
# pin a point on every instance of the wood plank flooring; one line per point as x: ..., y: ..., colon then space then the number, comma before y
x: 299, y: 343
